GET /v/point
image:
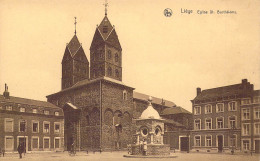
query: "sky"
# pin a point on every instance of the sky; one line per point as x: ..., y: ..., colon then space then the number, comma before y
x: 165, y: 57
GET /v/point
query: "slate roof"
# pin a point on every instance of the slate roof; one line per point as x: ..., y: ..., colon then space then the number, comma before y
x: 173, y: 122
x: 256, y: 92
x: 86, y: 82
x: 236, y: 89
x: 26, y: 101
x: 73, y: 45
x: 110, y: 37
x: 174, y: 110
x: 144, y: 97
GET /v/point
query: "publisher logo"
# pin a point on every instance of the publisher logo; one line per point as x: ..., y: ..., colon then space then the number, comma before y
x: 167, y: 12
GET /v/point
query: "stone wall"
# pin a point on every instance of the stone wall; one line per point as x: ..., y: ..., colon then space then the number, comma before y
x: 152, y: 149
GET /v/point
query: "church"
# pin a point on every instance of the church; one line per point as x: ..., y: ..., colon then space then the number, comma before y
x: 99, y: 109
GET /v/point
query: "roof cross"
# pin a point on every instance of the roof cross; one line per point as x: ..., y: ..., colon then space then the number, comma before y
x: 106, y: 5
x: 75, y: 23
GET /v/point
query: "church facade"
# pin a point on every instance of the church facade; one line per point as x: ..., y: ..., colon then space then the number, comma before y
x: 98, y: 107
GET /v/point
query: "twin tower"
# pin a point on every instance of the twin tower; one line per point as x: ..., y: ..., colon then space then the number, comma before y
x: 105, y: 57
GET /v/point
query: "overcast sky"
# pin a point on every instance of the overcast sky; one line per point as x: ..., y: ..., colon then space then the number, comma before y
x: 166, y: 57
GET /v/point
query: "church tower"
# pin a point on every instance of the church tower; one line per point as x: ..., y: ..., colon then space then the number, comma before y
x: 105, y: 52
x: 75, y: 65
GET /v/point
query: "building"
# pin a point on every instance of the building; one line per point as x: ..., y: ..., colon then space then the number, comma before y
x: 98, y: 107
x: 224, y: 117
x: 38, y: 124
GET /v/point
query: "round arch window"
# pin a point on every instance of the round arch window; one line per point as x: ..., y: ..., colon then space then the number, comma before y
x: 144, y: 131
x: 109, y: 54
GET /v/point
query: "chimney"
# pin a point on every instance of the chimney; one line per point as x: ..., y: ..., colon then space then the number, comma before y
x: 6, y: 93
x: 198, y: 91
x: 244, y: 81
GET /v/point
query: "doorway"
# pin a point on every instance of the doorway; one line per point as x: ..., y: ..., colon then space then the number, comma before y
x: 184, y: 144
x: 23, y: 140
x: 220, y: 143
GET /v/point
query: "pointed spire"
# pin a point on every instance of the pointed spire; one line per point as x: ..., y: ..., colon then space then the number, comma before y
x: 75, y: 23
x: 106, y: 5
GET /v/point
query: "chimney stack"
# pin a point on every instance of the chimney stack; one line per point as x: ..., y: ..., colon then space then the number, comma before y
x: 6, y: 93
x: 244, y: 81
x: 198, y: 91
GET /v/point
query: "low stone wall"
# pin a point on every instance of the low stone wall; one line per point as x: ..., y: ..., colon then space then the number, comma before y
x: 152, y: 149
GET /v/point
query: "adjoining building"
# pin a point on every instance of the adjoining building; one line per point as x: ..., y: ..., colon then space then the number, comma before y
x: 226, y: 118
x: 38, y: 125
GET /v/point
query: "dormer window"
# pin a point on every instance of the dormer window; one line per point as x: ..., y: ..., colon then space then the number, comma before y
x: 105, y: 29
x: 22, y: 109
x: 46, y: 112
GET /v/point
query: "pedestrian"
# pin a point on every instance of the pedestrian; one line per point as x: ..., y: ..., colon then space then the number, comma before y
x: 145, y: 147
x: 20, y: 150
x: 3, y: 152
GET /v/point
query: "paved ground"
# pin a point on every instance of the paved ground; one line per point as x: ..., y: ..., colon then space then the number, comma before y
x: 118, y: 156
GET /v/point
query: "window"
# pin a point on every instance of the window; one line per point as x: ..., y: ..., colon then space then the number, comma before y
x: 245, y: 144
x: 9, y: 143
x: 117, y: 73
x: 197, y: 110
x: 57, y: 127
x: 105, y: 29
x: 232, y: 106
x: 197, y: 125
x: 46, y: 127
x: 232, y: 122
x: 46, y: 143
x: 9, y: 108
x: 46, y: 112
x: 256, y: 99
x: 197, y: 141
x: 208, y: 141
x: 257, y: 128
x: 109, y: 71
x: 245, y: 129
x: 109, y: 54
x: 257, y: 113
x: 220, y: 107
x: 35, y: 126
x: 57, y: 143
x: 208, y: 123
x: 35, y: 143
x: 233, y: 140
x: 245, y: 114
x: 246, y: 101
x: 144, y: 131
x: 9, y: 125
x: 220, y: 123
x: 56, y: 113
x: 124, y: 95
x: 208, y: 109
x: 34, y: 110
x: 116, y: 57
x: 22, y: 127
x: 22, y: 109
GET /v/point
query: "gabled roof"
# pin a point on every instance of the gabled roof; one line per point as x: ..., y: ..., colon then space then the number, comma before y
x: 105, y: 23
x: 144, y: 97
x: 73, y: 45
x: 71, y: 106
x: 236, y: 89
x: 174, y: 110
x: 109, y: 37
x: 26, y: 101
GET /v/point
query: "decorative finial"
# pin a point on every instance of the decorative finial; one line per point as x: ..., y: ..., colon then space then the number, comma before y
x: 106, y: 5
x: 75, y: 23
x: 150, y: 99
